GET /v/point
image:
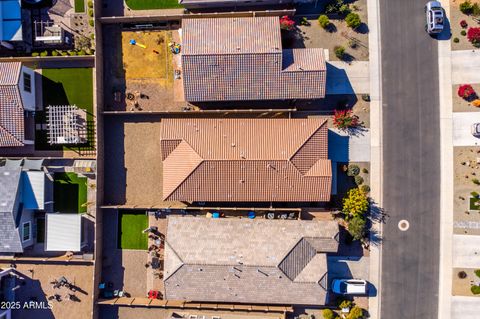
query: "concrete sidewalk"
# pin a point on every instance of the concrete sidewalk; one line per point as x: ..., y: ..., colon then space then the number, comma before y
x: 466, y: 66
x: 344, y: 78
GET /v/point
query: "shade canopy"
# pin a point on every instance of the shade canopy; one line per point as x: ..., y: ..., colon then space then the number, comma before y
x: 64, y: 232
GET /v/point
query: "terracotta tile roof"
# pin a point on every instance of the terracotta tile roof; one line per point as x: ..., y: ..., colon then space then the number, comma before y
x: 247, y: 160
x: 232, y: 260
x: 10, y: 73
x: 11, y: 107
x: 242, y: 59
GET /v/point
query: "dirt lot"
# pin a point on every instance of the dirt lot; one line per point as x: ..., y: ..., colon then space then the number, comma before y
x: 141, y: 73
x: 37, y: 286
x: 461, y: 287
x: 459, y: 104
x: 455, y: 17
x: 464, y: 174
x: 314, y: 36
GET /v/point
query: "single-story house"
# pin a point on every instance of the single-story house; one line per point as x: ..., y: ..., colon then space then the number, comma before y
x: 22, y: 193
x: 245, y: 160
x: 241, y: 59
x: 248, y: 261
x: 17, y: 96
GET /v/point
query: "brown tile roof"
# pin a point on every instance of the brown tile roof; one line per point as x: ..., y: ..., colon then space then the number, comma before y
x: 233, y: 260
x: 242, y: 59
x: 245, y: 160
x: 11, y: 107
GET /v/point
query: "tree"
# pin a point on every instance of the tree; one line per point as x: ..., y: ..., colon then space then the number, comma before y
x: 339, y: 52
x: 356, y: 227
x: 355, y: 204
x: 353, y: 20
x: 344, y: 119
x: 323, y: 21
x: 466, y: 7
x: 328, y: 314
x: 355, y: 313
x: 353, y: 170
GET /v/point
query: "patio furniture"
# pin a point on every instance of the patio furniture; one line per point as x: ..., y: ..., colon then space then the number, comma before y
x: 118, y: 293
x: 12, y: 164
x: 33, y: 164
x: 155, y: 263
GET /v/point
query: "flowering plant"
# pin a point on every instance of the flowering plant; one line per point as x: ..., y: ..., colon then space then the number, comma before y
x: 286, y: 23
x: 473, y: 35
x: 466, y: 91
x: 345, y: 119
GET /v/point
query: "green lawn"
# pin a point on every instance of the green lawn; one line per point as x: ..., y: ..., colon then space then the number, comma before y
x: 79, y: 6
x: 68, y: 86
x: 152, y: 4
x: 69, y: 193
x: 130, y: 226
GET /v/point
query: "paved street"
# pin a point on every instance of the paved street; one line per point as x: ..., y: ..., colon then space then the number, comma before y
x: 411, y: 162
x: 462, y: 123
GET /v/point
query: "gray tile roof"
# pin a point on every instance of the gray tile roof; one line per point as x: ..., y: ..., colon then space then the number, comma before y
x: 9, y: 236
x: 247, y: 261
x: 242, y: 59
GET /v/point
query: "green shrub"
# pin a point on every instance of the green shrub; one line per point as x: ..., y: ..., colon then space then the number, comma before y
x: 476, y: 9
x: 365, y: 189
x: 81, y: 52
x: 63, y: 53
x: 72, y: 53
x: 475, y: 290
x: 357, y: 228
x: 345, y: 304
x: 366, y: 97
x: 328, y: 314
x: 364, y: 170
x: 55, y: 53
x: 90, y: 3
x: 456, y: 40
x: 339, y: 51
x: 463, y: 32
x: 474, y: 194
x: 353, y: 170
x: 323, y: 21
x: 466, y: 7
x: 477, y: 272
x: 476, y: 181
x: 353, y: 20
x: 358, y: 180
x: 35, y: 53
x: 92, y: 36
x: 44, y: 53
x: 90, y: 13
x: 91, y: 22
x: 355, y: 313
x: 344, y: 9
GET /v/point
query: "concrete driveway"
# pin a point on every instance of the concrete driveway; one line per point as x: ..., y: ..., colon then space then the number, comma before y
x: 344, y: 147
x: 344, y: 78
x: 466, y: 252
x: 465, y: 307
x: 348, y: 267
x: 462, y: 122
x: 466, y: 66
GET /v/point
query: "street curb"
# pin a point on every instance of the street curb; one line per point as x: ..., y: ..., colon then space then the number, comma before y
x: 376, y: 151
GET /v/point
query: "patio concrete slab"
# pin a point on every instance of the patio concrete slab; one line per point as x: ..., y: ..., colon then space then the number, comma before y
x: 466, y: 251
x: 466, y: 66
x: 465, y: 307
x: 348, y: 78
x: 462, y: 122
x: 345, y: 147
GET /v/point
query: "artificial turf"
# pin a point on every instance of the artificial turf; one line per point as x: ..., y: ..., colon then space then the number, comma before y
x: 67, y: 86
x: 152, y: 4
x: 130, y: 230
x: 70, y: 193
x: 79, y: 6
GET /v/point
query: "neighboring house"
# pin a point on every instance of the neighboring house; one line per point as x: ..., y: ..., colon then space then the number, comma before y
x: 21, y: 194
x: 204, y: 4
x: 7, y: 292
x: 241, y: 59
x: 10, y: 21
x: 17, y: 95
x: 246, y: 160
x: 248, y: 261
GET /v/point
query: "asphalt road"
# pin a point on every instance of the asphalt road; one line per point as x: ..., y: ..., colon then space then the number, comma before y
x: 411, y: 159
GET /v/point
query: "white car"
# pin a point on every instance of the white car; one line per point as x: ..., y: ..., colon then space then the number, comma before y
x: 476, y: 129
x: 435, y: 17
x: 349, y: 286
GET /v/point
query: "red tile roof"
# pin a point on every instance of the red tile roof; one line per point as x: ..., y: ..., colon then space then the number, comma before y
x: 237, y: 59
x: 11, y: 107
x: 247, y: 160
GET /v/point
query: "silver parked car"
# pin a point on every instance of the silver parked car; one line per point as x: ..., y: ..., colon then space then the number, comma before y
x: 435, y: 17
x: 349, y: 286
x: 476, y: 129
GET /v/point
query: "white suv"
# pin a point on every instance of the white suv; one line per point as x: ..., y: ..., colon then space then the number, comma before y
x: 435, y: 17
x: 349, y: 286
